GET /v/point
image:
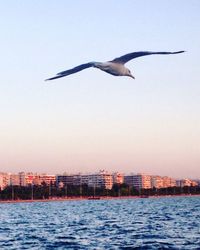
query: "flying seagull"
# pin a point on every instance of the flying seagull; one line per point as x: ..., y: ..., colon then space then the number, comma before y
x: 115, y: 67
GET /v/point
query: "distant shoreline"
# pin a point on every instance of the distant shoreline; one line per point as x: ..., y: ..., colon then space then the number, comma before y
x: 95, y: 198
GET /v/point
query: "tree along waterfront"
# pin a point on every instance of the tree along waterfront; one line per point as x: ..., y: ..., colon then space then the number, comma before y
x: 34, y: 192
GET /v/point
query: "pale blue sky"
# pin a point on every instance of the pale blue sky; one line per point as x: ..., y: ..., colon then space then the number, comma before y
x: 92, y: 120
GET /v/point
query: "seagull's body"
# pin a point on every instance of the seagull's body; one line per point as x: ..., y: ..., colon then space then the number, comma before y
x: 115, y: 67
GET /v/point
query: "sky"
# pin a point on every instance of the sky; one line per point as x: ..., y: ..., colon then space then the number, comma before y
x: 91, y: 120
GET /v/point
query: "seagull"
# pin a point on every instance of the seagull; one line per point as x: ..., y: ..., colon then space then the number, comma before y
x: 115, y: 67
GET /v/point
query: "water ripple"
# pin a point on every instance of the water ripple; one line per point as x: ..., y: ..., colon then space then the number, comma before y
x: 162, y: 223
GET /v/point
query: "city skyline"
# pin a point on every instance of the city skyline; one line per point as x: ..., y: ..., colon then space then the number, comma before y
x: 71, y: 173
x: 92, y: 120
x: 101, y: 179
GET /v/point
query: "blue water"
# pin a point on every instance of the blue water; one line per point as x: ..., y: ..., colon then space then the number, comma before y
x: 154, y: 223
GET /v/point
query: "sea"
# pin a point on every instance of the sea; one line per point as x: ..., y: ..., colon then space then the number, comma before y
x: 139, y: 223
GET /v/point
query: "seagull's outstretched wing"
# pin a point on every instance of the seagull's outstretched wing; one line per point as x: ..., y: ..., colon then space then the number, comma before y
x: 125, y: 58
x: 72, y: 71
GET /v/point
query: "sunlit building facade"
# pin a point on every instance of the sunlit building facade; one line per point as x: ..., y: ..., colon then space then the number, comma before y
x: 168, y: 182
x: 14, y: 180
x: 4, y: 180
x: 118, y: 178
x: 156, y: 181
x: 186, y: 183
x: 47, y: 179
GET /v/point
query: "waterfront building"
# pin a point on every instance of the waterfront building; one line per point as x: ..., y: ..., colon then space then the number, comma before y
x: 173, y: 182
x: 118, y: 178
x: 138, y: 181
x: 4, y: 180
x: 156, y: 181
x: 64, y: 179
x: 46, y: 178
x: 29, y: 177
x: 186, y: 183
x: 84, y: 179
x: 1, y: 182
x: 14, y: 180
x: 102, y: 179
x: 197, y: 181
x: 168, y: 182
x: 178, y: 183
x: 26, y: 179
x: 77, y: 179
x: 194, y: 183
x: 22, y: 179
x: 162, y: 182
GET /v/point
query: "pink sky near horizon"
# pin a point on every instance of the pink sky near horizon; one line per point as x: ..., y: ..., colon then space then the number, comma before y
x: 125, y: 148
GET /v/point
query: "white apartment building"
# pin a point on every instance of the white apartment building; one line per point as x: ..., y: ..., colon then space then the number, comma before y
x: 64, y: 180
x: 102, y: 179
x: 138, y: 181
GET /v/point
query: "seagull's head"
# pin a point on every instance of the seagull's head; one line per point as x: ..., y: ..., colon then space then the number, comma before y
x: 128, y: 73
